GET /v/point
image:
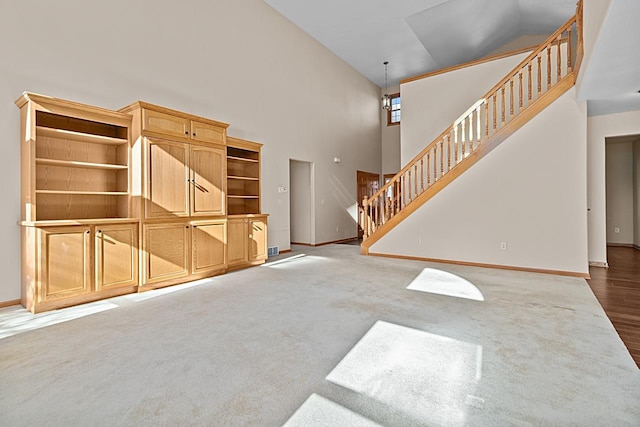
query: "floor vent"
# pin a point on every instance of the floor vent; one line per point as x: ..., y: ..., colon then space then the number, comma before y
x: 273, y: 251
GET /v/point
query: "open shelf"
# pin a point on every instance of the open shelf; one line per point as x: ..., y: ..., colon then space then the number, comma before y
x: 78, y: 136
x: 237, y: 196
x: 88, y: 193
x: 75, y: 164
x: 243, y: 159
x: 244, y: 178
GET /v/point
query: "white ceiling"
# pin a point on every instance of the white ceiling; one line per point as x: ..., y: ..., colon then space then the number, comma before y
x: 419, y: 36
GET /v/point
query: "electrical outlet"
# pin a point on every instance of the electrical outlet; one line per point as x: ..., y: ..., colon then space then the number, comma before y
x: 419, y: 240
x: 503, y: 246
x: 337, y: 229
x: 616, y: 230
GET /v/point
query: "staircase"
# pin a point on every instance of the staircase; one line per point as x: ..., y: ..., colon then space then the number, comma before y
x: 542, y: 77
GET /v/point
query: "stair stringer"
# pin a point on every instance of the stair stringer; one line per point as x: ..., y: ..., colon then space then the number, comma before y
x: 496, y: 139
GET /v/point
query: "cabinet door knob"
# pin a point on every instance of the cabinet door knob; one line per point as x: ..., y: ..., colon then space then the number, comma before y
x: 186, y: 226
x: 99, y: 231
x: 194, y: 134
x: 88, y: 231
x: 186, y: 132
x: 195, y: 226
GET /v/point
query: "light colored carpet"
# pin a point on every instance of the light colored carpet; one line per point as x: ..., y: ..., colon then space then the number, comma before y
x: 330, y: 338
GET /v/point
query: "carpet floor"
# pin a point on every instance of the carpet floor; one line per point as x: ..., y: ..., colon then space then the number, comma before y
x: 325, y: 336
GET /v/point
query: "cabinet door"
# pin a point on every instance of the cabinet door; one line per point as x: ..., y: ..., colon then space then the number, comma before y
x: 257, y: 239
x: 65, y: 267
x: 167, y: 179
x: 237, y: 251
x: 167, y: 124
x: 166, y: 251
x: 116, y: 255
x: 208, y: 181
x: 206, y: 132
x: 208, y: 241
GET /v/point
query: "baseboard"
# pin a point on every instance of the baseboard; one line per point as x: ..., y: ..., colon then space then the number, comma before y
x: 636, y: 247
x: 598, y: 264
x: 286, y: 251
x: 622, y: 245
x: 350, y: 239
x: 9, y: 303
x: 496, y: 266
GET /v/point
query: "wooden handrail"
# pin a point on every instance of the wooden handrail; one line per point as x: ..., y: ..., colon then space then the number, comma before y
x: 474, y: 127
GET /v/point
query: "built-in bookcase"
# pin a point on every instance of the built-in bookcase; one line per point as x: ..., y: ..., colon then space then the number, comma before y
x: 81, y: 166
x: 243, y: 177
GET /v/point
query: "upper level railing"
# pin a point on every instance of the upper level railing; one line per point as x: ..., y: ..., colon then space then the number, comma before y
x: 518, y: 91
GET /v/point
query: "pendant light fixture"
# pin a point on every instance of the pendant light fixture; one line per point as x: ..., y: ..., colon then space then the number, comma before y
x: 386, y: 99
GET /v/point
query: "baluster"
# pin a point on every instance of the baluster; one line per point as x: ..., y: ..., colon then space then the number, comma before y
x: 539, y: 74
x: 548, y: 67
x: 470, y: 132
x: 520, y: 91
x: 392, y: 199
x: 455, y: 144
x: 415, y: 178
x: 495, y: 113
x: 478, y: 126
x: 502, y: 106
x: 511, y: 97
x: 396, y: 190
x: 569, y: 51
x: 529, y: 81
x: 441, y: 158
x: 486, y: 120
x: 422, y: 174
x: 448, y: 153
x: 428, y: 170
x: 463, y: 141
x: 559, y: 58
x: 410, y: 196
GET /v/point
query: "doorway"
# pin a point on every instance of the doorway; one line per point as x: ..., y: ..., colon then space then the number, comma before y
x: 368, y: 184
x: 301, y: 214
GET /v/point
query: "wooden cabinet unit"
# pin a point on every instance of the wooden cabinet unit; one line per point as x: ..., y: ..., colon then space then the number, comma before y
x: 247, y: 240
x: 114, y: 202
x: 75, y: 179
x: 183, y: 184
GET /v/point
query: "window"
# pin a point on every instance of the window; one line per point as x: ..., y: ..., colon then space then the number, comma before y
x: 393, y: 115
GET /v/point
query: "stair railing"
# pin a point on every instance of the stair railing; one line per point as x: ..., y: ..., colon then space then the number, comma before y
x: 542, y: 70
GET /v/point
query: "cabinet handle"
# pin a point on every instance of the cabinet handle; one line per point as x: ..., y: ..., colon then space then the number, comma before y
x: 99, y: 231
x: 194, y: 134
x: 186, y: 132
x: 88, y: 231
x: 186, y: 226
x: 195, y: 226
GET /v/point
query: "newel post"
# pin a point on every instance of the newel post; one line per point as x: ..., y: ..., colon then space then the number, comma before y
x: 365, y: 216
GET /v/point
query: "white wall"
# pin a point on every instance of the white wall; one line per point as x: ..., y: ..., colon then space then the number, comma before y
x: 599, y: 128
x: 235, y: 61
x: 594, y: 15
x: 300, y: 201
x: 636, y: 193
x: 431, y: 104
x: 530, y: 192
x: 390, y: 138
x: 619, y: 186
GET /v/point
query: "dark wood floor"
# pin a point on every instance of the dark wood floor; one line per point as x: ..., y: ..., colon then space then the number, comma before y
x: 618, y: 290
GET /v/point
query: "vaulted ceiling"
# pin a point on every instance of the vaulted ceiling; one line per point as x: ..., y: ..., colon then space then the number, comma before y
x: 419, y: 36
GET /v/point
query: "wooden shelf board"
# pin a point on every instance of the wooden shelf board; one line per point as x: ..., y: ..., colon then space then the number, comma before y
x: 78, y: 136
x: 244, y: 178
x: 58, y: 222
x: 74, y: 164
x: 243, y: 159
x: 235, y: 196
x: 84, y: 193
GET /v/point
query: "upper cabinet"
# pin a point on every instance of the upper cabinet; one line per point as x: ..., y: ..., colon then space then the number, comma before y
x: 183, y: 167
x: 74, y: 160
